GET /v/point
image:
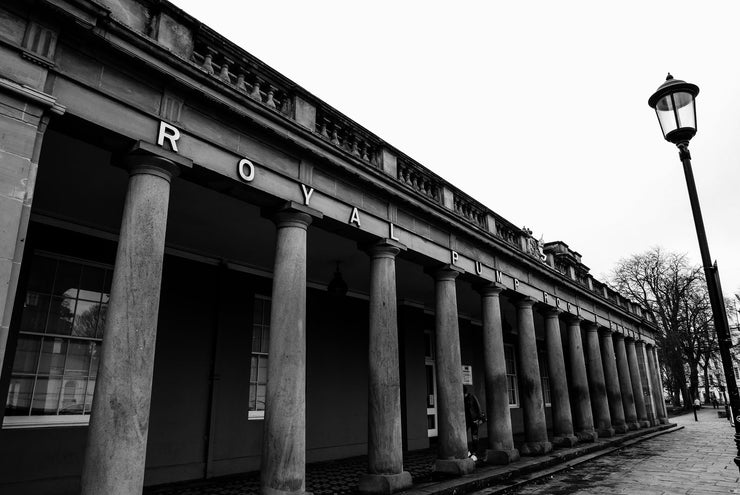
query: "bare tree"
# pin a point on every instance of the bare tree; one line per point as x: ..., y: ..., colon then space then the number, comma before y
x: 674, y: 294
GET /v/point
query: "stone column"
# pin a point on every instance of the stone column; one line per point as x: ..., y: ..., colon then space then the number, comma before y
x: 597, y: 382
x: 385, y: 447
x: 660, y: 382
x: 453, y: 440
x: 500, y: 439
x: 580, y: 398
x: 530, y: 393
x: 625, y: 382
x: 562, y: 421
x: 647, y: 392
x: 642, y: 417
x: 284, y: 439
x: 656, y: 388
x: 611, y: 379
x: 119, y: 423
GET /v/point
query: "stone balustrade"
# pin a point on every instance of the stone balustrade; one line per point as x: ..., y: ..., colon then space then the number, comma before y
x: 344, y: 134
x: 421, y: 180
x: 241, y: 76
x: 244, y: 73
x: 469, y: 209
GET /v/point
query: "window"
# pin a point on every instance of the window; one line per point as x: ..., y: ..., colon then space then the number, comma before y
x: 737, y: 375
x: 511, y: 375
x: 260, y: 345
x: 58, y: 351
x: 544, y: 377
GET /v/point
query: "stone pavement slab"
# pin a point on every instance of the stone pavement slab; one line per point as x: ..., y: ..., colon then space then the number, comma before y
x: 695, y: 460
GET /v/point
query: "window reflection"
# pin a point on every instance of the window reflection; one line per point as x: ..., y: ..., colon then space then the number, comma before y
x: 61, y: 329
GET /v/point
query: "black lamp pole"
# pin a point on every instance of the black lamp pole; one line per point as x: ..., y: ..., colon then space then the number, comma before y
x: 677, y: 117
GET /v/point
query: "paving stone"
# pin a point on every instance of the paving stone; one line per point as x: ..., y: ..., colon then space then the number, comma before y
x: 695, y: 460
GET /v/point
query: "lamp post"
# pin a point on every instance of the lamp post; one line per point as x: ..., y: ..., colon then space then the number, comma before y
x: 674, y: 104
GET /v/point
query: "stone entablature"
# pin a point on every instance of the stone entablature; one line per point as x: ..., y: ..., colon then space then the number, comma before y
x: 233, y: 82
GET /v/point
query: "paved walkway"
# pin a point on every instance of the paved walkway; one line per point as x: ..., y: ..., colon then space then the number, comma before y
x: 696, y: 460
x: 342, y: 476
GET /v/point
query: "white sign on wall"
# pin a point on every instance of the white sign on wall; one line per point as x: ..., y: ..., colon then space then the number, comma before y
x: 467, y: 374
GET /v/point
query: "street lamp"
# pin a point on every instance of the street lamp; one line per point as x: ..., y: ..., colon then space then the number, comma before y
x: 674, y: 104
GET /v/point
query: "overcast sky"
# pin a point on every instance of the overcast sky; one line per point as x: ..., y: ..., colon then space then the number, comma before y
x: 536, y: 109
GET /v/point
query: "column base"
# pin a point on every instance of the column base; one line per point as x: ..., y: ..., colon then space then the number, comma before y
x: 620, y: 429
x: 501, y: 457
x: 633, y: 425
x: 663, y: 421
x: 644, y: 424
x: 565, y: 441
x: 587, y: 436
x: 266, y: 490
x: 455, y: 467
x: 535, y: 448
x: 606, y: 432
x: 385, y: 483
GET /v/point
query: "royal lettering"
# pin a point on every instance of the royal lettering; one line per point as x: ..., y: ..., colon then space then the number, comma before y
x: 170, y: 133
x: 392, y: 232
x: 245, y: 169
x: 355, y: 217
x: 497, y: 273
x: 478, y: 267
x: 516, y: 284
x: 307, y: 192
x: 454, y: 257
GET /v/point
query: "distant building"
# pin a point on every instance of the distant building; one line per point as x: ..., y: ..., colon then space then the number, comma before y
x: 206, y: 270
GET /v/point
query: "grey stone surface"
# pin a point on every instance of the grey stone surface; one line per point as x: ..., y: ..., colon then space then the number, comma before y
x: 596, y: 382
x: 657, y: 391
x: 452, y: 436
x: 500, y: 439
x: 119, y: 424
x: 284, y: 441
x: 385, y: 483
x: 454, y: 467
x: 625, y: 382
x: 583, y: 421
x: 611, y: 379
x: 530, y: 390
x: 385, y: 446
x: 562, y: 421
x: 696, y: 460
x: 634, y: 369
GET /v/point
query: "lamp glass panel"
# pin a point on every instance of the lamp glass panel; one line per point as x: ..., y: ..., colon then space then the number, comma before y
x: 686, y: 110
x: 666, y: 116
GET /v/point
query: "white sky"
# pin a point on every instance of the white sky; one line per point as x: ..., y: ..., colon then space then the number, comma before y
x: 536, y: 109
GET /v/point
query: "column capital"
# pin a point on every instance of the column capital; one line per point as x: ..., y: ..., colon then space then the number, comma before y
x: 619, y: 336
x: 590, y: 326
x: 444, y: 272
x: 572, y: 319
x: 550, y: 312
x: 489, y: 289
x: 146, y: 158
x: 292, y: 214
x: 383, y: 248
x: 525, y: 302
x: 605, y: 331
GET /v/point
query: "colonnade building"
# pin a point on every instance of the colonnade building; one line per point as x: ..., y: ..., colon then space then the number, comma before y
x: 206, y: 270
